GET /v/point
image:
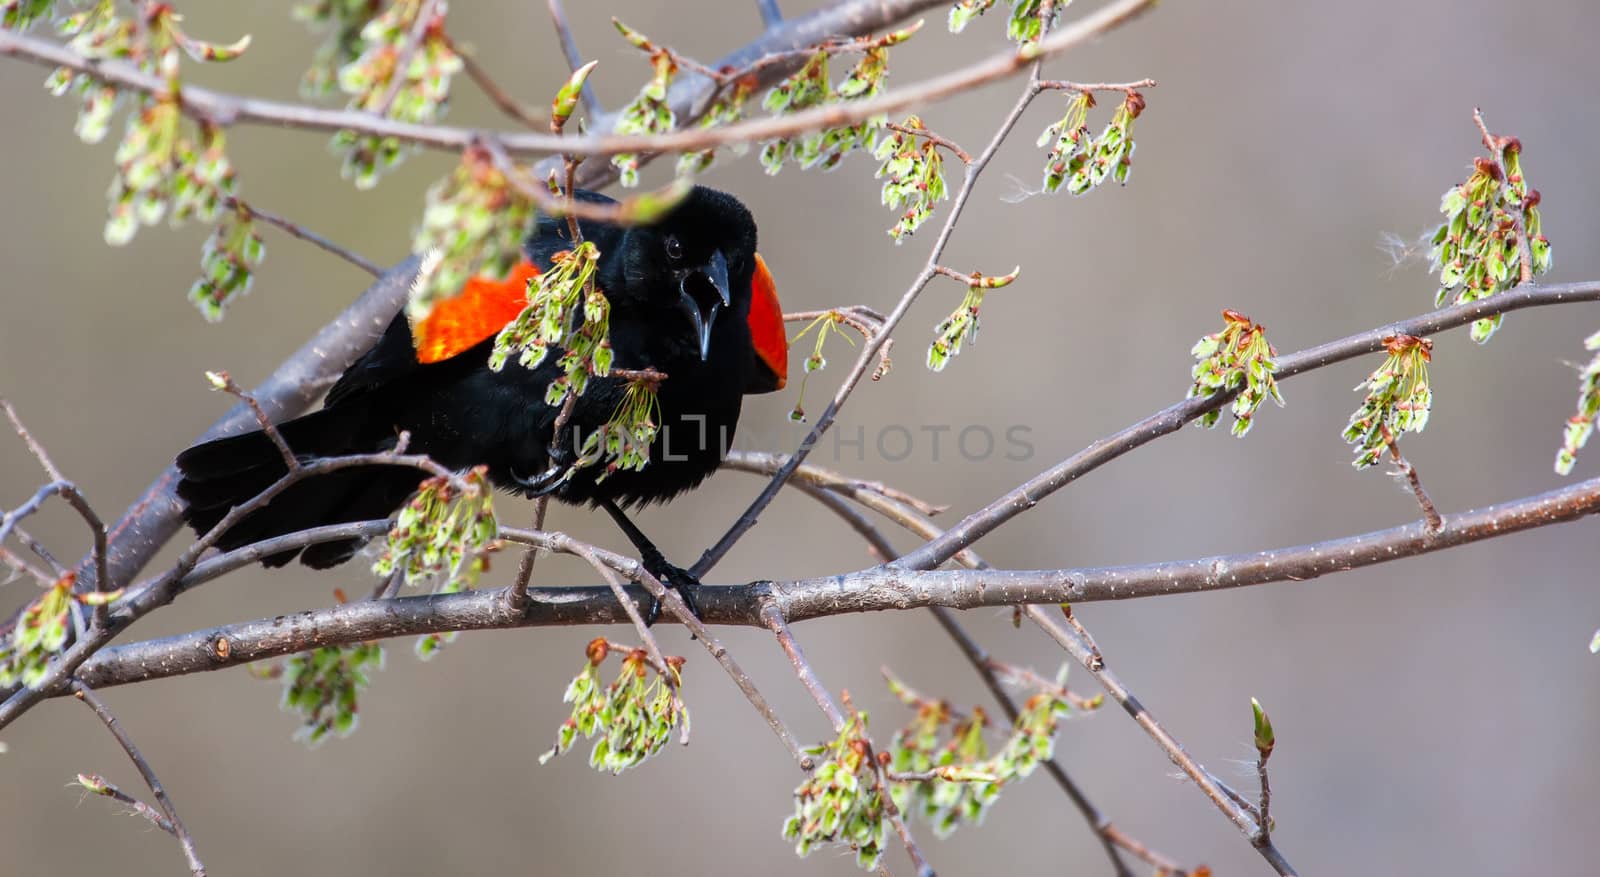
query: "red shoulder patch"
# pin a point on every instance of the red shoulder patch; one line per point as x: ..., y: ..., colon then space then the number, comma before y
x: 482, y: 308
x: 766, y: 330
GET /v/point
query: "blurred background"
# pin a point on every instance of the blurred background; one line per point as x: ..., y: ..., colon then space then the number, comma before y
x: 1436, y: 715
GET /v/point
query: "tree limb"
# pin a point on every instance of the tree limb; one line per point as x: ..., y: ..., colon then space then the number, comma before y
x: 872, y: 590
x: 227, y: 110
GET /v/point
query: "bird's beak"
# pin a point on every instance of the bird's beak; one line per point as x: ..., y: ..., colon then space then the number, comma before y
x: 703, y: 293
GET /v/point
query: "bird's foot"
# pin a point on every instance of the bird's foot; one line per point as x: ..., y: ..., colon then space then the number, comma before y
x: 674, y: 577
x: 562, y: 462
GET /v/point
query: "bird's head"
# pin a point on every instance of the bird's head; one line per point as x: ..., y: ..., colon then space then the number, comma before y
x: 693, y: 267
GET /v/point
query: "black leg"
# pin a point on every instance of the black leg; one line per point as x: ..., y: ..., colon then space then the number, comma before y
x: 655, y: 563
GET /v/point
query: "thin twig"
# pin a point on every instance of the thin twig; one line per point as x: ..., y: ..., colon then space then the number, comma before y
x: 1174, y: 417
x: 622, y: 212
x: 21, y: 565
x: 871, y: 346
x: 298, y: 231
x: 70, y: 494
x: 1094, y: 650
x: 185, y: 840
x: 33, y: 444
x: 492, y: 90
x: 673, y: 603
x: 612, y: 580
x: 1219, y: 794
x: 164, y: 588
x: 33, y: 544
x: 1430, y: 512
x: 1264, y: 808
x: 96, y: 784
x: 980, y: 660
x: 569, y: 48
x: 224, y: 382
x: 935, y: 139
x: 73, y: 497
x: 1162, y: 864
x: 1091, y: 87
x: 773, y: 620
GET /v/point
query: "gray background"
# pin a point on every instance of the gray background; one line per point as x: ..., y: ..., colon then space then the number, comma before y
x: 1434, y: 716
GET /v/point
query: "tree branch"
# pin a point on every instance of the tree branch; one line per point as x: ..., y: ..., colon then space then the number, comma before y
x: 877, y: 589
x: 1220, y: 795
x: 227, y: 110
x: 1173, y: 418
x: 185, y: 840
x: 155, y: 516
x: 873, y: 344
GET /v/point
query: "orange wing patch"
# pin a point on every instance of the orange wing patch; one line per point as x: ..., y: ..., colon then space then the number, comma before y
x: 482, y: 308
x: 766, y: 327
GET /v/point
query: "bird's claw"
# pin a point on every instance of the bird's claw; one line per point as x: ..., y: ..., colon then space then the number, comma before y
x: 546, y: 482
x: 676, y: 578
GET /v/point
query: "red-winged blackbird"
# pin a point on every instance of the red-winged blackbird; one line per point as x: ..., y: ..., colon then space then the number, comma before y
x: 689, y: 298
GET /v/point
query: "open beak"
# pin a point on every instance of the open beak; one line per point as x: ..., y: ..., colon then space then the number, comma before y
x: 702, y: 294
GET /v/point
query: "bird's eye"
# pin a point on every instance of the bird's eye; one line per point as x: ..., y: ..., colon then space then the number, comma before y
x: 674, y: 248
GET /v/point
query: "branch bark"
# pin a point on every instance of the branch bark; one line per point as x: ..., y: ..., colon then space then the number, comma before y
x: 872, y: 590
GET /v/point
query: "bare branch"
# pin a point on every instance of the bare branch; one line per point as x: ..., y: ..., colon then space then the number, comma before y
x: 772, y: 619
x: 872, y: 590
x: 166, y: 587
x: 21, y: 565
x: 73, y: 497
x: 1079, y: 649
x: 492, y: 90
x: 297, y: 231
x: 33, y: 444
x: 96, y: 784
x: 224, y: 382
x: 614, y: 581
x: 175, y: 825
x: 1430, y: 512
x: 68, y: 492
x: 1091, y: 87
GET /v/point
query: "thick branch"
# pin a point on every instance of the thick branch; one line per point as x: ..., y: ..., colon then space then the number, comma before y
x: 871, y: 590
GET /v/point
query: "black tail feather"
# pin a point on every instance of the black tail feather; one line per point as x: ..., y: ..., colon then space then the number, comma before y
x: 223, y: 474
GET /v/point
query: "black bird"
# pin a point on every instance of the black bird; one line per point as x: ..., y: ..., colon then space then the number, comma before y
x: 689, y: 297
